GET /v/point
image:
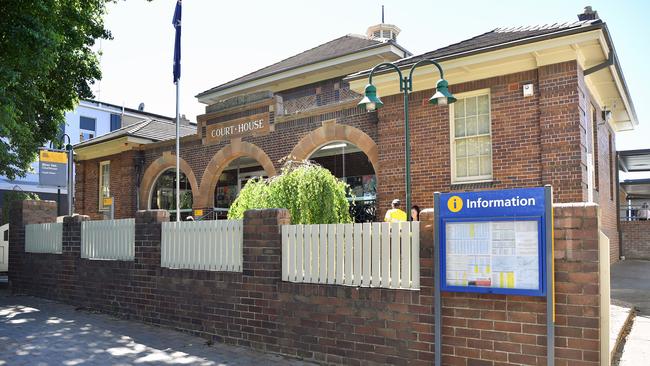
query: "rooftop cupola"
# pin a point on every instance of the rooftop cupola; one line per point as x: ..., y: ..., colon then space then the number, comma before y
x: 383, y: 32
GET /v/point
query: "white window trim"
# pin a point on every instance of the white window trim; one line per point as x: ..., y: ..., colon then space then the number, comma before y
x: 452, y: 146
x: 101, y: 181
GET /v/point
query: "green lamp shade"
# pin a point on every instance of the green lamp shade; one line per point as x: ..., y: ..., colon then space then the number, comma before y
x: 442, y: 95
x: 370, y: 101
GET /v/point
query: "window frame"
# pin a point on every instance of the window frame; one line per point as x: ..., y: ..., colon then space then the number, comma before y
x: 102, y: 164
x: 452, y: 138
x: 84, y: 130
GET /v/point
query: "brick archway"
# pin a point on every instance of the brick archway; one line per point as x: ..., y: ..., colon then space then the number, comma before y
x: 221, y: 160
x: 166, y: 161
x: 332, y: 131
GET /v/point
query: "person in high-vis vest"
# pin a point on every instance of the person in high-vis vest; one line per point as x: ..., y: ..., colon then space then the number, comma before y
x: 395, y: 214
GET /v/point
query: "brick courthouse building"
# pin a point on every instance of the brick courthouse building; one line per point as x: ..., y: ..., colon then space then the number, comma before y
x: 536, y: 105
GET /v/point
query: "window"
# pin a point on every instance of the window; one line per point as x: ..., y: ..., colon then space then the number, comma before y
x: 116, y: 121
x: 104, y: 183
x: 86, y: 128
x: 471, y: 140
x: 594, y: 143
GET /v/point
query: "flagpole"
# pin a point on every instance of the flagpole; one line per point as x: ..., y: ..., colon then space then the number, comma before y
x: 176, y: 21
x: 178, y: 155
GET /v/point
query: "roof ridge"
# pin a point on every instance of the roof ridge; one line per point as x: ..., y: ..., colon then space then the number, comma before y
x: 534, y: 27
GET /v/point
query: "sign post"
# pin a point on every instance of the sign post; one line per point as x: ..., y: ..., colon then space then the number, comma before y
x: 108, y: 202
x: 52, y: 168
x: 494, y: 242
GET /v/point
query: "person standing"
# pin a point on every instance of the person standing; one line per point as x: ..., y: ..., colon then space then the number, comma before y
x: 644, y: 212
x: 395, y: 214
x: 415, y: 213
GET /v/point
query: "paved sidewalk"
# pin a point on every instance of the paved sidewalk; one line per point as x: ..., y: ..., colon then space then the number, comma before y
x: 630, y: 283
x: 34, y: 331
x: 637, y: 347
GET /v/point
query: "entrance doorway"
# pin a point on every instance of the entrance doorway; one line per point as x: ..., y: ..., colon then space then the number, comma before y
x: 163, y: 194
x: 231, y: 182
x: 348, y: 163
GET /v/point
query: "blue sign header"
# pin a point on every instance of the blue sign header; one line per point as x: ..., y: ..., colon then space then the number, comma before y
x: 500, y: 203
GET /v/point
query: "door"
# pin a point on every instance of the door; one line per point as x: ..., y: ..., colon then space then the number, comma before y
x: 4, y: 248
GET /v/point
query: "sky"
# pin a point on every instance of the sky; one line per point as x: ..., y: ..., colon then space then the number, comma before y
x: 222, y: 40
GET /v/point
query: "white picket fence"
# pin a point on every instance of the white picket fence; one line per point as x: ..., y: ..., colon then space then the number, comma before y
x: 212, y: 245
x: 108, y: 239
x: 365, y: 255
x: 44, y: 238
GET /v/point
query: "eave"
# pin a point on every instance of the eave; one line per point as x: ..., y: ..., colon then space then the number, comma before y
x: 589, y: 48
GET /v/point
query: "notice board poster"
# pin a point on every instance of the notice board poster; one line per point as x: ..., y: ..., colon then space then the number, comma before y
x: 493, y: 242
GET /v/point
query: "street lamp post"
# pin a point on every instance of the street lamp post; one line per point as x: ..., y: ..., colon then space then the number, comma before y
x: 372, y: 102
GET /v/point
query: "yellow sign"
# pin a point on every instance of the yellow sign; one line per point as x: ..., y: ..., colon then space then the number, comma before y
x: 53, y: 157
x: 455, y: 204
x: 198, y: 212
x: 107, y: 201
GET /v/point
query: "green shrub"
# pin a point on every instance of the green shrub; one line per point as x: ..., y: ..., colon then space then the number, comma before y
x: 310, y: 192
x: 12, y: 196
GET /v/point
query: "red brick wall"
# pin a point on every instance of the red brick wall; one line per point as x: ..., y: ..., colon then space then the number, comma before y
x: 595, y: 133
x: 122, y: 185
x: 636, y: 239
x: 328, y: 323
x: 535, y: 140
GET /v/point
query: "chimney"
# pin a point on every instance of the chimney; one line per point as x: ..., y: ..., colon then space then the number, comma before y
x: 589, y: 14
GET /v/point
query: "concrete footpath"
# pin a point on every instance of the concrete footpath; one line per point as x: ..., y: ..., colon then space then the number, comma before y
x: 631, y: 284
x: 35, y: 331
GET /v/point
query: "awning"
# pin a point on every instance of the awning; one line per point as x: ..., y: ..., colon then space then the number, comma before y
x: 634, y: 160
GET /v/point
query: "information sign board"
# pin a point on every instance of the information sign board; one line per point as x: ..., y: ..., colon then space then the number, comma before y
x: 493, y: 241
x: 53, y: 168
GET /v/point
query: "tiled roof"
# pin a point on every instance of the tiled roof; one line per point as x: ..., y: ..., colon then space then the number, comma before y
x: 332, y: 49
x: 151, y: 129
x: 498, y: 38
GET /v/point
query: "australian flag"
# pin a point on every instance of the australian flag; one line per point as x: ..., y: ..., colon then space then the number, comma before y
x: 177, y: 44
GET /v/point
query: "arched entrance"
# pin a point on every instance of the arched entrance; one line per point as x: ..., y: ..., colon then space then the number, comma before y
x: 351, y: 155
x: 228, y: 170
x: 163, y: 194
x: 332, y: 131
x: 348, y: 163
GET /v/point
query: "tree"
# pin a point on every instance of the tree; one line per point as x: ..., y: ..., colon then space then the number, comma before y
x: 46, y: 65
x: 310, y: 192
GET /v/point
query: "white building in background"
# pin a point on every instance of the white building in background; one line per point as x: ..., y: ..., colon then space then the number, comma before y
x: 89, y: 120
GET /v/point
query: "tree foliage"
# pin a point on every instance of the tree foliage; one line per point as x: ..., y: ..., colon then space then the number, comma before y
x: 310, y: 192
x: 12, y: 196
x: 46, y: 65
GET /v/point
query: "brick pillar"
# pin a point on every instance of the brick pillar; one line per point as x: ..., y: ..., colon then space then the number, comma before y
x: 560, y: 132
x: 262, y: 271
x: 22, y: 213
x: 427, y: 331
x: 148, y: 228
x: 70, y: 255
x: 582, y: 318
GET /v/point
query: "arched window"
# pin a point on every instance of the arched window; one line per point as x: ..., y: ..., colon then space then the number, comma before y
x: 163, y: 194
